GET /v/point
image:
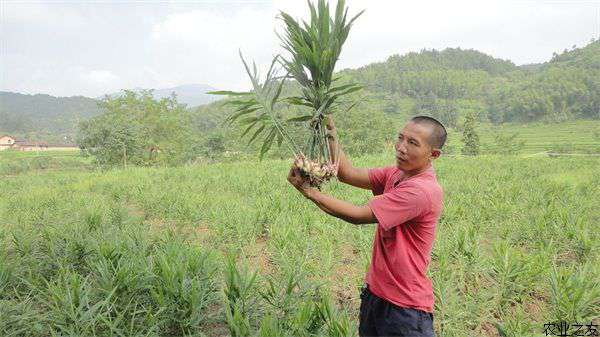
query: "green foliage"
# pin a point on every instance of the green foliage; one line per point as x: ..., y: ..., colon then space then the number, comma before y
x: 258, y: 108
x: 71, y: 306
x: 511, y: 273
x: 445, y: 111
x: 337, y: 325
x: 449, y: 89
x: 448, y: 74
x: 314, y: 50
x: 139, y: 252
x: 44, y: 117
x: 566, y: 88
x: 470, y: 138
x: 240, y: 284
x: 366, y: 129
x: 17, y: 124
x: 293, y: 306
x: 184, y: 286
x: 16, y: 162
x: 138, y: 130
x: 532, y: 138
x: 451, y: 83
x: 507, y: 144
x: 215, y: 145
x: 587, y: 56
x: 575, y: 293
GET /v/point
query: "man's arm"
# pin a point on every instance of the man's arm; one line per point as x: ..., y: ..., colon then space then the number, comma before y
x: 332, y: 206
x: 341, y: 209
x: 358, y: 177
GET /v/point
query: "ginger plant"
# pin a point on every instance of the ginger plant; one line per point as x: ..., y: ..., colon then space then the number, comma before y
x: 313, y: 49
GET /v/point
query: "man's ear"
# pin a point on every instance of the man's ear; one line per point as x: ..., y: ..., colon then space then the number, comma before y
x: 436, y: 153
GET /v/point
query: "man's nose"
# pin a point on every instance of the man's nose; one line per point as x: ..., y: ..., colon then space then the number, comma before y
x: 400, y: 147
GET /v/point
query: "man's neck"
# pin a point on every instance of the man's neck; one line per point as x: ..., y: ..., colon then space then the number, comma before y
x: 408, y: 174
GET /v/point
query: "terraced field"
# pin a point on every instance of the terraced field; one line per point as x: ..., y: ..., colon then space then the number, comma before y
x: 566, y: 137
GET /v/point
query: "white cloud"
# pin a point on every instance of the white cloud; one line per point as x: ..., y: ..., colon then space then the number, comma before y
x: 46, y: 14
x: 69, y: 48
x: 205, y: 44
x: 102, y: 77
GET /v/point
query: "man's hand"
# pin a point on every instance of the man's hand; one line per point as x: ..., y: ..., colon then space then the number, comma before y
x: 296, y: 179
x: 332, y: 140
x: 346, y: 173
x: 331, y: 130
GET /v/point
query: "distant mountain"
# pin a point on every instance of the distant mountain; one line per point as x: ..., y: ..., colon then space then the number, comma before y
x: 446, y: 84
x: 447, y: 73
x: 50, y: 118
x: 566, y: 87
x: 190, y: 94
x: 43, y: 116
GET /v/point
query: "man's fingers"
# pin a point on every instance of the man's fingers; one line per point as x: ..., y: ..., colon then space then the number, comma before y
x: 294, y: 172
x: 329, y: 124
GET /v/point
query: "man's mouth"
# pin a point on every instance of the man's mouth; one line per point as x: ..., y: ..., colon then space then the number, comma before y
x: 400, y: 158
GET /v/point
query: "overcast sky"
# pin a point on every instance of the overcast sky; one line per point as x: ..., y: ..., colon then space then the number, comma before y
x: 90, y: 48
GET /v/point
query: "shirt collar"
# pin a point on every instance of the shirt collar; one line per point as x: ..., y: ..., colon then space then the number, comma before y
x: 399, y: 176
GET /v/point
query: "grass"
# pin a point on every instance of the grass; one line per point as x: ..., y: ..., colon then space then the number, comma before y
x: 17, y: 162
x: 569, y: 137
x: 232, y: 249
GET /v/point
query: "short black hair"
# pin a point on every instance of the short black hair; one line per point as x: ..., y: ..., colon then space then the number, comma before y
x: 437, y: 139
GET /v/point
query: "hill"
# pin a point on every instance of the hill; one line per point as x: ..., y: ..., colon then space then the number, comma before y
x: 192, y: 95
x: 449, y: 84
x: 43, y: 116
x: 445, y: 84
x: 587, y: 57
x: 452, y: 81
x: 51, y: 118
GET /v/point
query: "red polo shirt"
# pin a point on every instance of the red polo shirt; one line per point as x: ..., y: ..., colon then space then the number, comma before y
x: 407, y: 210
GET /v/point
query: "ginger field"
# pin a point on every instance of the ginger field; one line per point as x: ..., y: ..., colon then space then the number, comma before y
x: 573, y: 137
x: 232, y: 249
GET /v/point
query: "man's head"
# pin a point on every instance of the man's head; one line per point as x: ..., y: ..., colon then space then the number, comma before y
x: 419, y: 142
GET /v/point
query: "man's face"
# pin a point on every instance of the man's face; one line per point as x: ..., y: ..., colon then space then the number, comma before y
x: 413, y: 151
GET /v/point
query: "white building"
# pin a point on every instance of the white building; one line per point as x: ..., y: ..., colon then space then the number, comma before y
x: 8, y: 142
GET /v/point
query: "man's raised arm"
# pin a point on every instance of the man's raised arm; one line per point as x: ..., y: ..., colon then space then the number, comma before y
x: 358, y: 177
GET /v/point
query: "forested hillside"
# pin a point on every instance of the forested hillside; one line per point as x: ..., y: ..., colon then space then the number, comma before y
x: 446, y: 84
x: 44, y: 117
x: 50, y: 118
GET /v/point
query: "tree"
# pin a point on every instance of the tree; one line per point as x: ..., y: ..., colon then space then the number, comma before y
x: 443, y: 110
x: 138, y: 130
x: 470, y: 138
x: 391, y: 106
x: 215, y: 145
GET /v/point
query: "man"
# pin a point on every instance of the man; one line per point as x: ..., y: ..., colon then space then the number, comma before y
x: 397, y: 299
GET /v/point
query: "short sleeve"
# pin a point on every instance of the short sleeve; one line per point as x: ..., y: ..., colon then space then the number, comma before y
x: 399, y: 205
x: 378, y: 178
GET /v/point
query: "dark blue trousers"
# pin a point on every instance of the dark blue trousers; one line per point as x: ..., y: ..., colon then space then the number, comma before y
x: 379, y: 317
